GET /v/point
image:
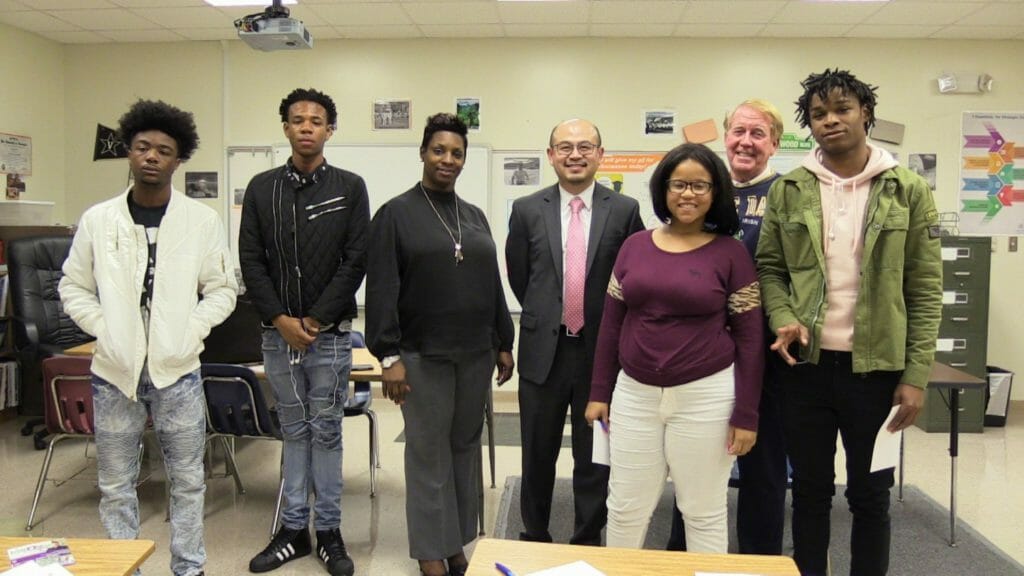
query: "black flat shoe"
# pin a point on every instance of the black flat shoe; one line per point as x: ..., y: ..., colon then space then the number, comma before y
x: 458, y: 570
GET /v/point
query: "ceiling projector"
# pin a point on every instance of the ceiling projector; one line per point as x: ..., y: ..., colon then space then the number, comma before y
x: 272, y: 30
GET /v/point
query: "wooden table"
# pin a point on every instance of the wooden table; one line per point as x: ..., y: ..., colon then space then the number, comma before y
x: 359, y: 356
x: 92, y: 557
x: 526, y: 557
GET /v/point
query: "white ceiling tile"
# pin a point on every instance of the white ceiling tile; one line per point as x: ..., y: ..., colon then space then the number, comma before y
x: 160, y: 3
x: 307, y: 16
x: 452, y: 12
x: 718, y: 30
x: 361, y: 13
x: 996, y: 14
x: 143, y: 36
x: 184, y: 17
x: 631, y: 30
x: 740, y: 11
x: 938, y: 13
x: 386, y: 32
x: 616, y: 11
x: 105, y: 19
x: 219, y: 33
x: 826, y: 12
x: 894, y: 32
x: 11, y: 5
x: 545, y: 30
x: 576, y: 12
x: 35, y: 21
x: 976, y: 32
x: 75, y: 37
x: 462, y: 30
x: 805, y: 30
x: 67, y: 4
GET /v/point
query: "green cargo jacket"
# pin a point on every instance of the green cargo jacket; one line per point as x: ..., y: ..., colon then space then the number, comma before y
x: 899, y: 303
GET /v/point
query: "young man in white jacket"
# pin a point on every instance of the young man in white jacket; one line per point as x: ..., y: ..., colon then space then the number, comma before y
x: 149, y: 275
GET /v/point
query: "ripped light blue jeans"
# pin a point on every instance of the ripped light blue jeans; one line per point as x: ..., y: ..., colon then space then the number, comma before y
x: 310, y: 390
x: 179, y: 419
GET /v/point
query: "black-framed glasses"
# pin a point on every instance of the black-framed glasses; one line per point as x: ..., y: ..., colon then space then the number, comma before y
x: 585, y: 148
x: 698, y: 187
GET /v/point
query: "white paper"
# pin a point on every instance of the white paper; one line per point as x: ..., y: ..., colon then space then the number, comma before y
x: 602, y: 447
x: 887, y: 445
x: 33, y: 569
x: 577, y: 568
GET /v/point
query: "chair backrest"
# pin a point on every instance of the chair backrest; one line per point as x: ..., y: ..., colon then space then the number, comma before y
x: 234, y: 402
x: 357, y: 339
x: 68, y: 407
x: 238, y: 339
x: 362, y: 395
x: 34, y: 266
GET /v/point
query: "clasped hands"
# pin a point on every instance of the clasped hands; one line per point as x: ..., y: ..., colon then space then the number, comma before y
x: 396, y: 387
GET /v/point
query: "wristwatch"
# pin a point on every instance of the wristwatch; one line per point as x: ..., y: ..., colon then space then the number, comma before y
x: 389, y: 361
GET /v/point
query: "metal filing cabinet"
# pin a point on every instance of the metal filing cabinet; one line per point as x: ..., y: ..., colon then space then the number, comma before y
x: 963, y: 333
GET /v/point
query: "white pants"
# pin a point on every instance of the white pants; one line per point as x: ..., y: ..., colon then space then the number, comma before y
x: 681, y: 431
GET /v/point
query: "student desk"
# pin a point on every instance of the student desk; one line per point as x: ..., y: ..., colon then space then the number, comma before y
x: 92, y: 557
x: 944, y: 377
x: 526, y: 557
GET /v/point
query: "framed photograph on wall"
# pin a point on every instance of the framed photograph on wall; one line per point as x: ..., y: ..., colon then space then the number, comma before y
x: 468, y: 109
x: 659, y: 122
x: 392, y: 114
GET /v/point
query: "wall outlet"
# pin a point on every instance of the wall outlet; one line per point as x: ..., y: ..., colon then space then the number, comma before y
x: 1012, y: 244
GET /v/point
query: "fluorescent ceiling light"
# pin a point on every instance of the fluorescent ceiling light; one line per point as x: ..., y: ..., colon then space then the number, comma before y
x: 230, y: 3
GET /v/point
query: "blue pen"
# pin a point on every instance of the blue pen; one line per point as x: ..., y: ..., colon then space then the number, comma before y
x: 504, y: 569
x: 603, y: 426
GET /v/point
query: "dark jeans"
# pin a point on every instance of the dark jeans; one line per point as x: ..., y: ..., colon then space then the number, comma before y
x: 820, y: 401
x: 761, y: 506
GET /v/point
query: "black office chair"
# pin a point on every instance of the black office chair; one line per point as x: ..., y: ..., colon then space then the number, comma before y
x: 41, y: 328
x: 358, y: 404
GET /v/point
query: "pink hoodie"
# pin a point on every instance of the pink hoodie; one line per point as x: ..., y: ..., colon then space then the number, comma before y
x: 843, y: 208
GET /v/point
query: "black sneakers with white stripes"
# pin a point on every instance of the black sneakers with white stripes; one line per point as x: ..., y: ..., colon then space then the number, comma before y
x: 287, y: 545
x: 330, y: 547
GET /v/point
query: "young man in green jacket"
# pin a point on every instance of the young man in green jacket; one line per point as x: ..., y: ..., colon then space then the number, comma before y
x: 851, y: 278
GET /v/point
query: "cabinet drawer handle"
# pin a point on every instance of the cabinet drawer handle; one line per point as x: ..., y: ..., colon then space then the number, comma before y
x: 960, y: 319
x: 958, y: 364
x: 962, y: 273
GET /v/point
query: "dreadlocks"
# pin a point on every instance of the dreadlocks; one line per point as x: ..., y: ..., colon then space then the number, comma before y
x: 823, y: 84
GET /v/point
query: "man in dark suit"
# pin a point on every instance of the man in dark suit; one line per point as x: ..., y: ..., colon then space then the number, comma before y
x: 561, y: 247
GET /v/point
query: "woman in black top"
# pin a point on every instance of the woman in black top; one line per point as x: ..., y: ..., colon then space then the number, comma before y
x: 436, y: 318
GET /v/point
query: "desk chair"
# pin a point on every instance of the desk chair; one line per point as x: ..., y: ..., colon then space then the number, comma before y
x: 68, y: 411
x: 41, y: 328
x: 236, y: 408
x: 358, y: 404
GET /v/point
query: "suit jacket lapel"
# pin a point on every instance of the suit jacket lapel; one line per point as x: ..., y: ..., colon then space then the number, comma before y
x: 598, y: 218
x: 553, y: 224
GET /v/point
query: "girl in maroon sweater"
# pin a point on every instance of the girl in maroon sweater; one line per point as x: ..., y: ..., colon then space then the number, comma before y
x: 681, y: 347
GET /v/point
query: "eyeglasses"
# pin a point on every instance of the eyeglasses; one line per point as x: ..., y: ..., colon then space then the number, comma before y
x: 565, y: 148
x: 699, y: 187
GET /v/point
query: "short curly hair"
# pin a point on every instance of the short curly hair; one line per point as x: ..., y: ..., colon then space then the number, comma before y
x: 310, y: 95
x: 147, y: 115
x: 444, y: 122
x: 823, y: 84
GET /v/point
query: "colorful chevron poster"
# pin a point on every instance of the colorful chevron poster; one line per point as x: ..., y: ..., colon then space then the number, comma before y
x: 992, y: 173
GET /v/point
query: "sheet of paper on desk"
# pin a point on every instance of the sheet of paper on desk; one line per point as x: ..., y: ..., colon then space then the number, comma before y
x: 33, y: 569
x: 361, y: 367
x: 887, y: 445
x: 602, y: 447
x: 578, y: 568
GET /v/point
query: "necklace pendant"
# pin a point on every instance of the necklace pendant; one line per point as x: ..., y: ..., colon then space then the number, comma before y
x: 458, y: 254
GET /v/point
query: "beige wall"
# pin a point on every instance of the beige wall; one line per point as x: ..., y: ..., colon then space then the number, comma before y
x: 32, y: 104
x: 526, y: 86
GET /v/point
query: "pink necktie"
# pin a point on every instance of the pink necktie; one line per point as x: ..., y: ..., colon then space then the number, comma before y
x: 575, y: 269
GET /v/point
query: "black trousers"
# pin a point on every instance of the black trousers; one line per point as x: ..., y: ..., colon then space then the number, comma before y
x: 819, y: 402
x: 542, y: 409
x: 761, y: 506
